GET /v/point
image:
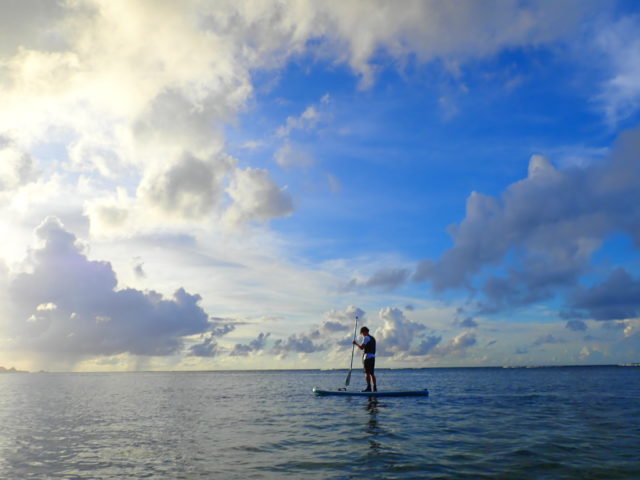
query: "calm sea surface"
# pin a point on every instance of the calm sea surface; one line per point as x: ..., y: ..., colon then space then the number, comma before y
x: 555, y: 423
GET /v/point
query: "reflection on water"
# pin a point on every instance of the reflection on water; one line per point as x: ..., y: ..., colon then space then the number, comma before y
x: 477, y: 423
x: 373, y: 429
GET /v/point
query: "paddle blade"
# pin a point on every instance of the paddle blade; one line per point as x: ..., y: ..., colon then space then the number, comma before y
x: 348, y: 380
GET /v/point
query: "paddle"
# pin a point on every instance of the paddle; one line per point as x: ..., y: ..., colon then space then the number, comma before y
x: 348, y: 380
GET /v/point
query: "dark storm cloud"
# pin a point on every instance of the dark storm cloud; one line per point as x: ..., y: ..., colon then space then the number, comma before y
x: 543, y: 230
x: 69, y: 305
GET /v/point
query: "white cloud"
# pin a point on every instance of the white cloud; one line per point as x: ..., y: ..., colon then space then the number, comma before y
x: 397, y: 333
x: 256, y: 197
x: 190, y: 188
x: 133, y: 102
x: 457, y: 345
x: 129, y: 102
x: 16, y: 166
x: 306, y: 121
x: 621, y: 43
x: 289, y: 155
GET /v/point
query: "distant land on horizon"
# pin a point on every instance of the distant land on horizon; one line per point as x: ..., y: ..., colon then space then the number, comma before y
x: 231, y: 371
x: 11, y: 370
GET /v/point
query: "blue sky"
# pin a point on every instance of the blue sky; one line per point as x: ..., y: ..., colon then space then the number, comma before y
x: 213, y: 185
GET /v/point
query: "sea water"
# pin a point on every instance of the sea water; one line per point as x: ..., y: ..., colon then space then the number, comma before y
x: 555, y: 423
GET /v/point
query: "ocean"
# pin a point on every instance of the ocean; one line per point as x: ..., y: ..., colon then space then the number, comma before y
x: 493, y: 423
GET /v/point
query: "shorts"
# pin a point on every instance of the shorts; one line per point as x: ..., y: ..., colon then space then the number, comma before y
x: 369, y: 365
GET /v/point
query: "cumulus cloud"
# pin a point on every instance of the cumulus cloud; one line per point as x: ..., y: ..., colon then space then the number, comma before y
x: 150, y: 105
x: 468, y: 322
x: 549, y: 225
x: 617, y: 298
x: 298, y: 343
x: 397, y: 333
x: 426, y: 346
x: 190, y: 188
x: 256, y: 197
x: 457, y: 345
x: 576, y: 325
x: 70, y: 305
x: 256, y: 345
x: 208, y: 347
x: 16, y: 166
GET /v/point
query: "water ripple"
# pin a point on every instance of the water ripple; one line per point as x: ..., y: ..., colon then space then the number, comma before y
x: 477, y: 423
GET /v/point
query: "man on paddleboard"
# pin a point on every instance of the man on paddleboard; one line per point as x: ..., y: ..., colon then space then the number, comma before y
x: 368, y: 358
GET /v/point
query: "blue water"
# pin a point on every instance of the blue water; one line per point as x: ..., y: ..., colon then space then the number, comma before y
x: 555, y: 423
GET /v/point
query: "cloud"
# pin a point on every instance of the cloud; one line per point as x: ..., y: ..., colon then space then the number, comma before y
x: 547, y: 339
x: 543, y: 230
x: 16, y: 166
x: 468, y: 322
x: 430, y: 30
x: 29, y: 24
x: 292, y: 156
x: 131, y: 103
x: 426, y: 346
x: 576, y: 325
x: 69, y: 305
x: 617, y: 298
x: 306, y: 121
x: 138, y: 269
x: 457, y: 345
x: 256, y: 197
x: 384, y: 279
x: 209, y: 347
x: 397, y: 333
x: 190, y: 188
x: 297, y: 343
x: 341, y: 322
x: 621, y: 91
x: 243, y: 350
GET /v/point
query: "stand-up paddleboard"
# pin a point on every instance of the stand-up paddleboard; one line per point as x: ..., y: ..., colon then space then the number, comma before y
x: 398, y: 393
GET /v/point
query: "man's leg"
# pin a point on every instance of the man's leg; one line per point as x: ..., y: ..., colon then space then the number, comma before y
x: 367, y: 374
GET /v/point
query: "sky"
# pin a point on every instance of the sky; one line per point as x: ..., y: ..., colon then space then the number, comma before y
x: 233, y: 184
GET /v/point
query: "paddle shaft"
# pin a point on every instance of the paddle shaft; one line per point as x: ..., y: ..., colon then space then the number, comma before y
x: 355, y: 328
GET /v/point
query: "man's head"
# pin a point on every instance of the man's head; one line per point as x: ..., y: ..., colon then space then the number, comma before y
x: 364, y: 331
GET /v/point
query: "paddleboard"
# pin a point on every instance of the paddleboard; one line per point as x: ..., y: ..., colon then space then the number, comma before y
x: 398, y: 393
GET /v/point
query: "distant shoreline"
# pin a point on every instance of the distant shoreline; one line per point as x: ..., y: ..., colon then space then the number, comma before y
x: 11, y: 370
x: 327, y: 370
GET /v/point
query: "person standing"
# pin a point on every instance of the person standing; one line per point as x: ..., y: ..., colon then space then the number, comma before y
x: 368, y: 346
